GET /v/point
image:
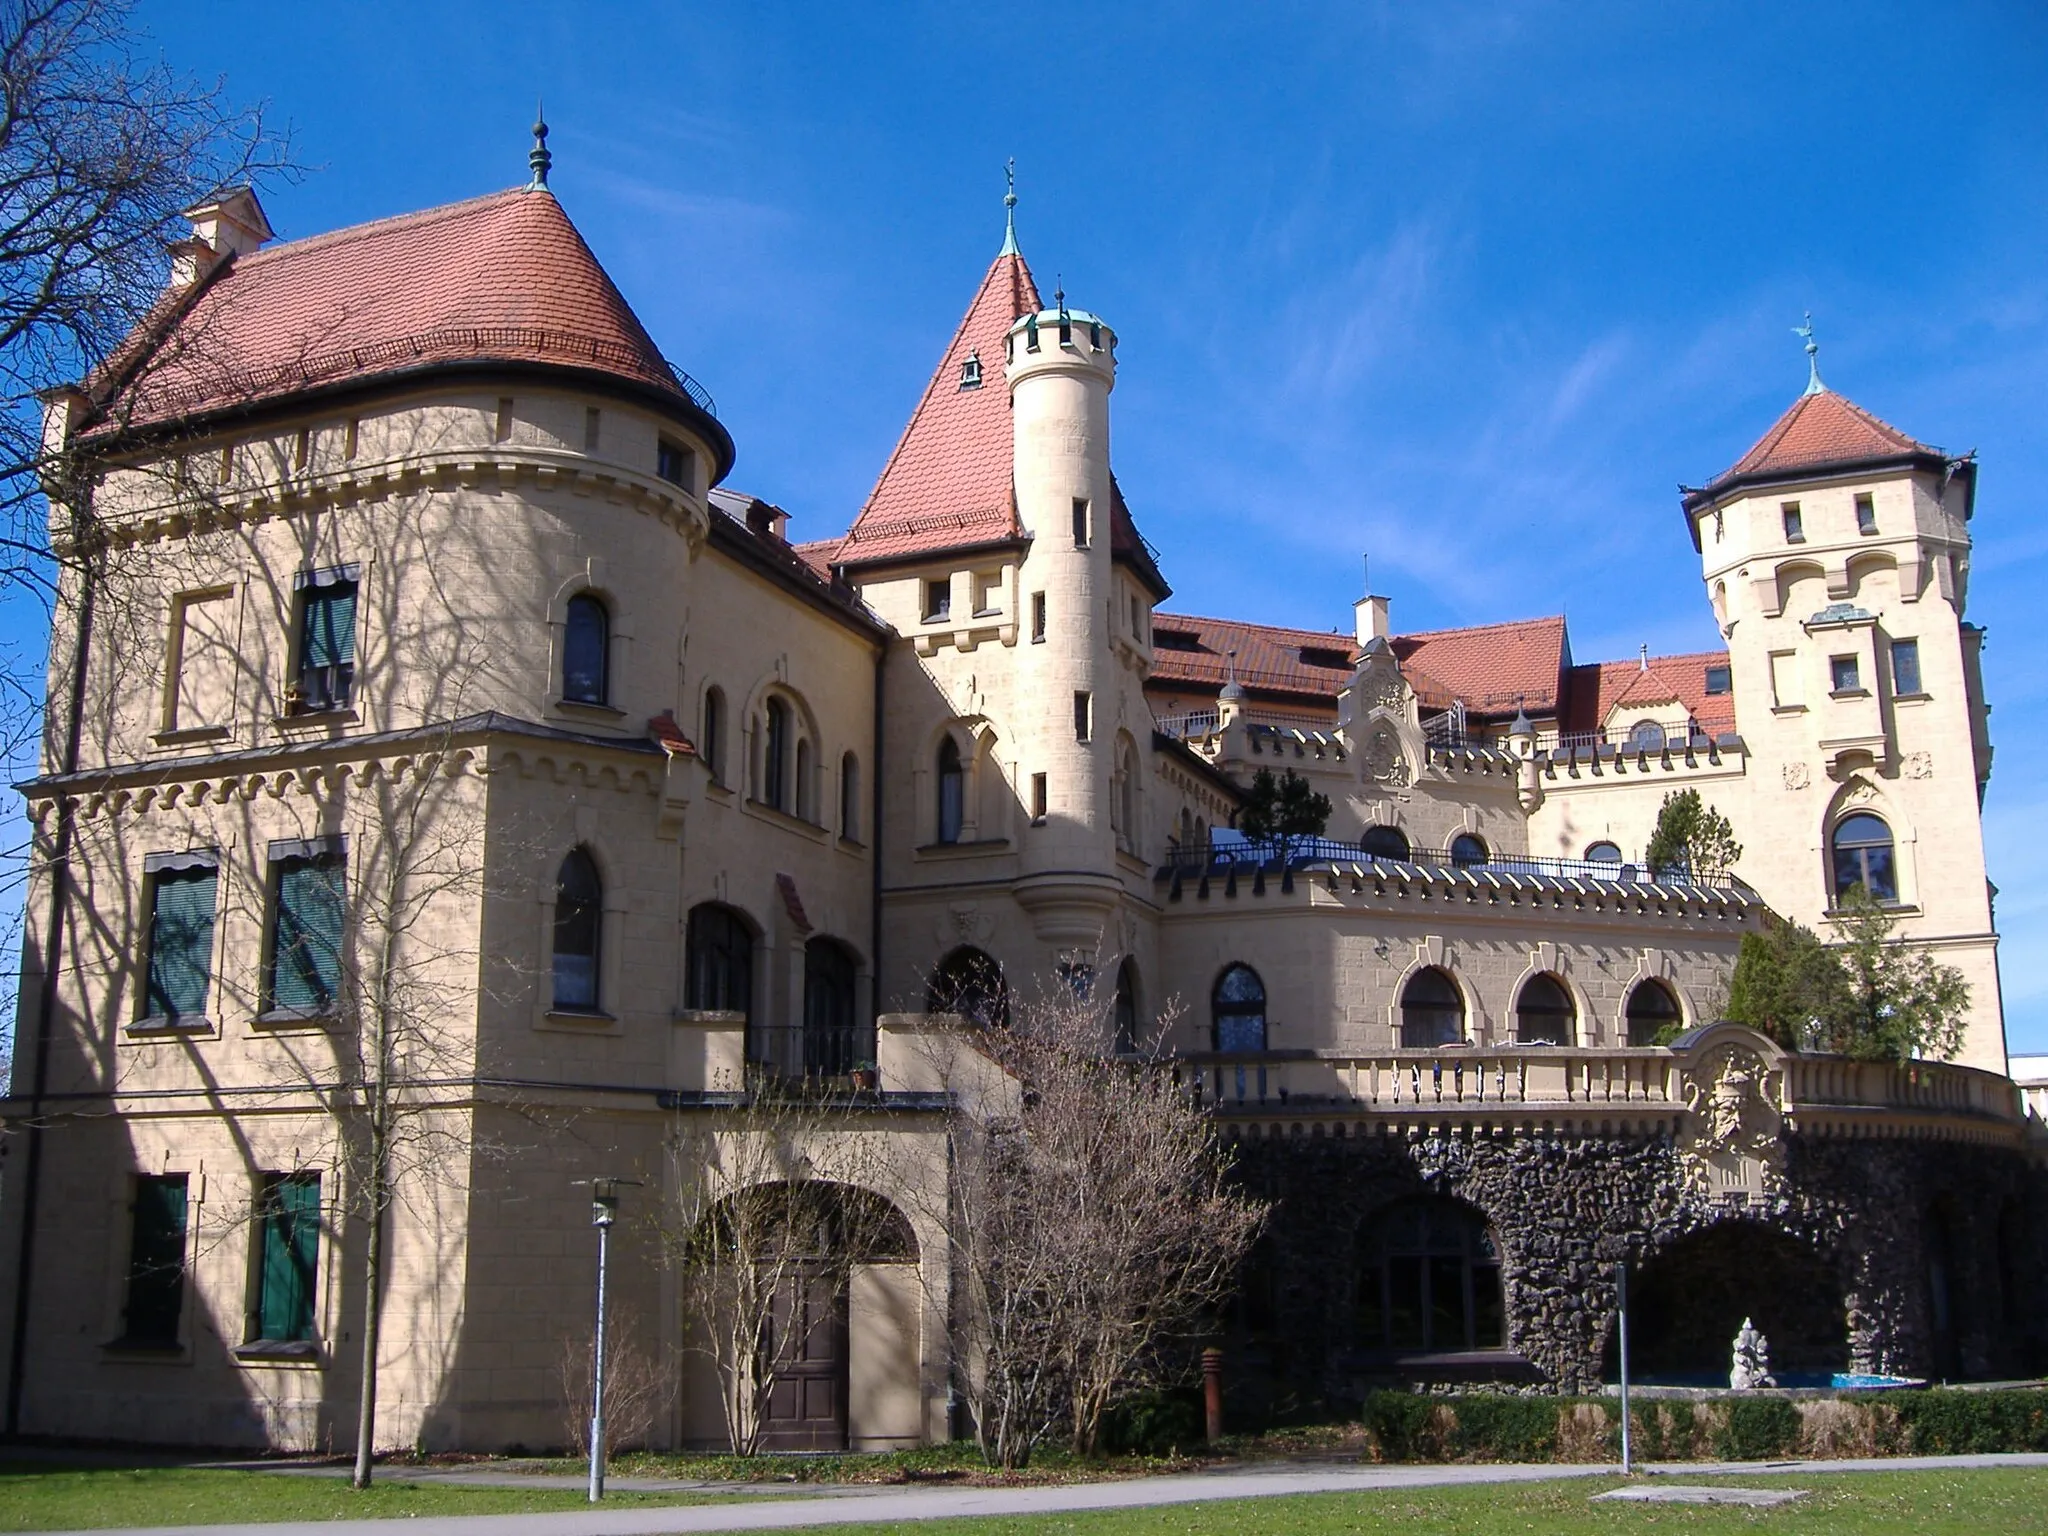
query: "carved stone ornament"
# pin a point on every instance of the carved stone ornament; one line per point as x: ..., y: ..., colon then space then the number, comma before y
x: 964, y: 923
x: 1919, y: 765
x: 1380, y: 684
x: 1735, y: 1104
x: 1384, y: 763
x: 1797, y: 776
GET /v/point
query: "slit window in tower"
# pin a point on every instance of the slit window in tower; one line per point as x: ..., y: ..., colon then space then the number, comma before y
x: 1066, y: 329
x: 1031, y: 333
x: 1084, y: 715
x: 591, y: 420
x: 1866, y: 514
x: 1080, y: 522
x: 1038, y: 798
x: 1095, y: 335
x: 1795, y: 528
x: 1037, y: 618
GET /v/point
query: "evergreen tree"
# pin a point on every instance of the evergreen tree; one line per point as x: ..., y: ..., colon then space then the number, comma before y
x: 1691, y: 838
x: 1282, y: 808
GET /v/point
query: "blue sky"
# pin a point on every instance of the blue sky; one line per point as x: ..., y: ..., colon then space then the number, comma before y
x: 1471, y: 287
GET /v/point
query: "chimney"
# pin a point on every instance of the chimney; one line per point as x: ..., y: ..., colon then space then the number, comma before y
x: 1371, y: 615
x: 771, y: 522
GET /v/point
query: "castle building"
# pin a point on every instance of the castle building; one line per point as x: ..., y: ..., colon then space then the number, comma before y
x: 427, y: 709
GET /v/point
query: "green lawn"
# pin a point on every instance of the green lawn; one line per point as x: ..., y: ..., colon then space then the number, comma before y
x: 1960, y: 1503
x: 56, y: 1498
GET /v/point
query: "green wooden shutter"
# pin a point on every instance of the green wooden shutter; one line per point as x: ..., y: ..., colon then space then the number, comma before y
x: 305, y: 967
x: 330, y: 625
x: 291, y: 1252
x: 181, y: 942
x: 156, y: 1260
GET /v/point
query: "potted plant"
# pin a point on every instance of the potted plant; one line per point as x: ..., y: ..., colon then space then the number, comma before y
x: 864, y: 1076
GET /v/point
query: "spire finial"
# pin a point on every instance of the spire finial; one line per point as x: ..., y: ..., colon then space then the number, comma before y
x: 539, y: 158
x: 1813, y: 383
x: 1646, y: 657
x: 1010, y: 210
x: 1059, y: 292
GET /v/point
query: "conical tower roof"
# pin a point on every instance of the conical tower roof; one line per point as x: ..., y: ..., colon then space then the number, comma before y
x: 1822, y: 433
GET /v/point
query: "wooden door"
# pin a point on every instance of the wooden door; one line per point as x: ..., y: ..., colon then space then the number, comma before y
x: 807, y: 1405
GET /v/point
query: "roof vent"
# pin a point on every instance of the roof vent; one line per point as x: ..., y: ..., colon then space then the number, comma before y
x: 970, y: 371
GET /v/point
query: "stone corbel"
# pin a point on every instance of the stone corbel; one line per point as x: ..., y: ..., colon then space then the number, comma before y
x: 677, y: 773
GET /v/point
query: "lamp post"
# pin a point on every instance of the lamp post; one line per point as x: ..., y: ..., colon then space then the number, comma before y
x: 604, y: 1206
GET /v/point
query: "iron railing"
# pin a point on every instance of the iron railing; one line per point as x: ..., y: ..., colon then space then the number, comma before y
x: 1205, y: 722
x: 1301, y: 852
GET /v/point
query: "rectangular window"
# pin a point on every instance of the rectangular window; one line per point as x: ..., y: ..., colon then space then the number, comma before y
x: 1866, y: 514
x: 675, y: 463
x: 309, y: 896
x: 1795, y: 529
x: 302, y: 454
x: 1786, y: 692
x: 1080, y: 522
x: 502, y: 432
x: 1038, y: 797
x: 288, y: 1257
x: 592, y: 419
x: 938, y: 600
x: 327, y: 642
x: 987, y: 595
x: 1843, y: 675
x: 1137, y: 618
x: 182, y: 894
x: 1906, y: 666
x: 1084, y: 716
x: 1037, y: 617
x: 353, y: 439
x: 156, y: 1262
x: 1719, y: 680
x: 204, y: 660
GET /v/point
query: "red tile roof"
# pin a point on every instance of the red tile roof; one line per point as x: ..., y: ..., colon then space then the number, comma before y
x: 1595, y: 690
x: 500, y: 278
x: 1819, y: 432
x: 948, y: 484
x: 1492, y: 668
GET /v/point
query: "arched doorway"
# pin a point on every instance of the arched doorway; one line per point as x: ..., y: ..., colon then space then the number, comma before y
x: 1429, y: 1280
x: 1689, y: 1300
x: 970, y: 983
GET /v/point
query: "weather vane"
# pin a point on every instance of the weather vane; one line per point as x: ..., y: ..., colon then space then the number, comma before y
x: 1805, y: 333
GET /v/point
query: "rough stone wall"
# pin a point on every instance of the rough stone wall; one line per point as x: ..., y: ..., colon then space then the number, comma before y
x: 1564, y: 1208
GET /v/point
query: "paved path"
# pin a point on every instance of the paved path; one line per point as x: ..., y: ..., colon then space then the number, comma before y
x: 848, y: 1506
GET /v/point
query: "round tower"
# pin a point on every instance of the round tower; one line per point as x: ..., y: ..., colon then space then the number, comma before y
x: 1060, y: 364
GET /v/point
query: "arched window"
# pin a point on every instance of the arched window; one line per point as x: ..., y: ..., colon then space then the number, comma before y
x: 1467, y: 851
x: 579, y: 919
x: 775, y: 757
x: 1646, y: 736
x: 970, y: 983
x: 849, y: 798
x: 952, y: 791
x: 718, y: 972
x: 1603, y: 853
x: 712, y: 741
x: 1386, y: 843
x: 1544, y: 1014
x: 1238, y: 1006
x: 832, y: 1042
x: 800, y: 799
x: 1127, y: 1007
x: 586, y: 650
x: 1653, y: 1014
x: 1862, y: 848
x: 1125, y: 796
x: 1432, y: 1011
x: 1429, y: 1280
x: 1187, y: 829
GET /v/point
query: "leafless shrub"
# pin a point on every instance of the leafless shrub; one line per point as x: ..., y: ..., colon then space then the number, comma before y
x: 639, y: 1385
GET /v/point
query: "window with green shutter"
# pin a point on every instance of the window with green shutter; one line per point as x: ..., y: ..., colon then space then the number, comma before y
x: 309, y: 885
x: 156, y: 1261
x: 182, y: 893
x: 288, y: 1228
x: 327, y: 641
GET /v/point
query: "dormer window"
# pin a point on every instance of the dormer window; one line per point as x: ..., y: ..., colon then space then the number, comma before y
x: 1719, y: 680
x: 970, y: 371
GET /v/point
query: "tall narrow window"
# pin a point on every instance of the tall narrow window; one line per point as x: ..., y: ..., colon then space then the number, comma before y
x: 1432, y: 1011
x: 801, y: 797
x: 327, y: 643
x: 288, y: 1258
x: 952, y: 792
x: 1906, y: 666
x: 1084, y: 716
x: 1795, y: 526
x: 1039, y: 797
x: 586, y: 650
x: 156, y: 1262
x: 675, y: 463
x: 775, y: 757
x: 182, y: 895
x: 832, y: 1040
x: 938, y: 600
x: 309, y: 892
x: 1237, y: 1010
x: 719, y: 961
x: 849, y: 798
x: 1127, y: 1007
x: 592, y: 421
x: 1080, y: 522
x: 1866, y: 514
x: 1862, y: 849
x: 502, y: 432
x: 714, y: 733
x: 579, y: 920
x: 1037, y: 617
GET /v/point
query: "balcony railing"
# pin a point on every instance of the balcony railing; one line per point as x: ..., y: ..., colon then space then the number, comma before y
x: 1278, y: 856
x: 1204, y: 722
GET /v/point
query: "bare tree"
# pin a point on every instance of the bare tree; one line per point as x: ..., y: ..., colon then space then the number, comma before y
x: 776, y: 1203
x: 638, y: 1384
x: 1093, y: 1222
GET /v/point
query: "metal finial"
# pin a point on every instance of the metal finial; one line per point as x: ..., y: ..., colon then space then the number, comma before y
x: 1059, y: 292
x: 1646, y: 657
x: 539, y: 158
x: 1813, y: 383
x: 1010, y: 210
